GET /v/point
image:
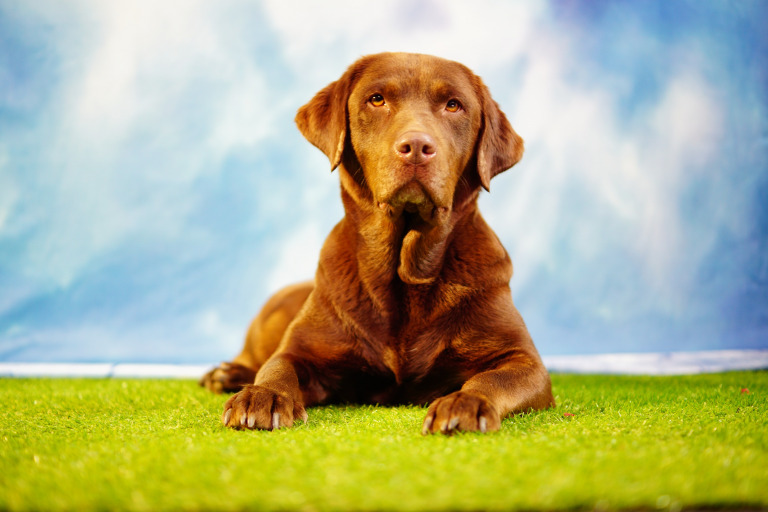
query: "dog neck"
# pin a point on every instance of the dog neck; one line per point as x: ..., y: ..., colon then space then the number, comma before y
x: 387, y: 252
x: 360, y: 273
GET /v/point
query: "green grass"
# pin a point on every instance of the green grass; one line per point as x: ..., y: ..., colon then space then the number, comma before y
x: 632, y: 442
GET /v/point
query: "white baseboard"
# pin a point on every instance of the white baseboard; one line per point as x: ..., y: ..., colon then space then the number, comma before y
x: 671, y: 363
x: 103, y: 370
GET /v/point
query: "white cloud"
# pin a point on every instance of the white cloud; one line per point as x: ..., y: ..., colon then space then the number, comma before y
x: 298, y: 256
x: 683, y: 135
x: 322, y: 36
x: 621, y: 180
x: 211, y: 326
x: 9, y: 193
x: 159, y: 66
x: 156, y: 96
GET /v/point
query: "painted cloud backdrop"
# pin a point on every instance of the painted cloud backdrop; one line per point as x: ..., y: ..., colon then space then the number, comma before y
x: 154, y: 190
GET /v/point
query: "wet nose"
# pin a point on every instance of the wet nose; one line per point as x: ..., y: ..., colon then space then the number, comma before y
x: 416, y: 148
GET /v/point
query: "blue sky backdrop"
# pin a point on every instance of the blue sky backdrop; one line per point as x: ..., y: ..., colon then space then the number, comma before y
x: 154, y: 190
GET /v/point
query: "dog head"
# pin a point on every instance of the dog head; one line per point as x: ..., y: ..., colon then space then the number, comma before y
x: 416, y: 129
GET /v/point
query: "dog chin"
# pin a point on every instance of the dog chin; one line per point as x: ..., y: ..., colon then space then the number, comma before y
x: 412, y: 206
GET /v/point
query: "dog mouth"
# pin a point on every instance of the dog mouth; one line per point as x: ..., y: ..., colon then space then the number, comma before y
x: 413, y: 220
x: 412, y: 206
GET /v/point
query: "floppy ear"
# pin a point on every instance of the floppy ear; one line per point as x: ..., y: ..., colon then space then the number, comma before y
x: 500, y: 147
x: 323, y: 121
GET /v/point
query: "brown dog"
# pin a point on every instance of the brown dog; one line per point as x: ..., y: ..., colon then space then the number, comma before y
x: 411, y: 300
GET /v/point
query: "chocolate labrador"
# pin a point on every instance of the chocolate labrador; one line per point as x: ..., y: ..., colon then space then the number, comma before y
x: 411, y: 300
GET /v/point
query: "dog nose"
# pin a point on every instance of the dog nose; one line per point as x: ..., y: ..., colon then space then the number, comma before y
x: 415, y: 147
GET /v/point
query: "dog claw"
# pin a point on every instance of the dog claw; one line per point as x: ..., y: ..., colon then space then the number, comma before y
x: 453, y: 423
x: 227, y: 417
x: 275, y: 421
x: 483, y: 424
x: 251, y: 420
x: 427, y: 425
x: 304, y: 416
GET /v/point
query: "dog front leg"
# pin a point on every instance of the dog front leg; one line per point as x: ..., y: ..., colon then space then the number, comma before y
x: 522, y: 384
x: 272, y: 402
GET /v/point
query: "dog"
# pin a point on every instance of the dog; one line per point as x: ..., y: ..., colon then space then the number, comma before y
x: 411, y: 301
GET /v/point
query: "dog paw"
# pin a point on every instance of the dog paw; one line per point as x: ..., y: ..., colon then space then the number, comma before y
x: 462, y: 410
x: 256, y: 407
x: 227, y: 377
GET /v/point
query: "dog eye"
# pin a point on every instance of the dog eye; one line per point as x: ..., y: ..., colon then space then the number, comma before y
x: 377, y: 100
x: 453, y: 106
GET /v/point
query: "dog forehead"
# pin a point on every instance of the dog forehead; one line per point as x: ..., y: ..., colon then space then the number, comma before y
x: 414, y: 73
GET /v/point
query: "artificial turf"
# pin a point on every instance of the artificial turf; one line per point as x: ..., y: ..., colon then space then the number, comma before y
x: 613, y: 442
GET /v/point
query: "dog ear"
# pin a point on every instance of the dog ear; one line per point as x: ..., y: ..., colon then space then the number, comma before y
x: 323, y: 121
x: 500, y: 147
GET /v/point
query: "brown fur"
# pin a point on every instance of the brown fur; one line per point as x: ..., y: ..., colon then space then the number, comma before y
x: 411, y: 300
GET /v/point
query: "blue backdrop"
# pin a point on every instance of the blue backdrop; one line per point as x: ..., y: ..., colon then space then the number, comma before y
x: 154, y: 190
